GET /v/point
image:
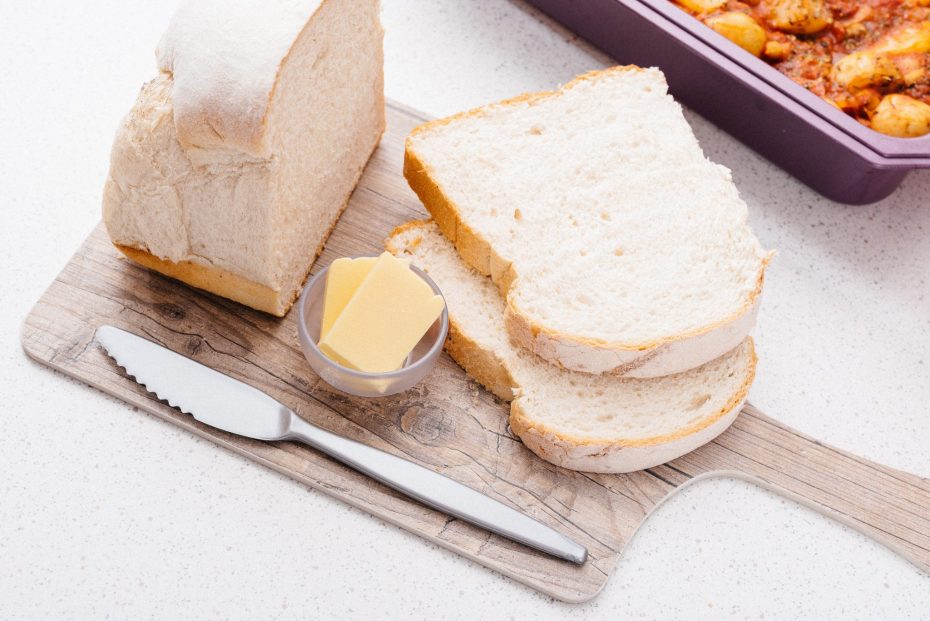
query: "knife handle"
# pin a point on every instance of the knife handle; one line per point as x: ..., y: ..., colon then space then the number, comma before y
x: 438, y: 491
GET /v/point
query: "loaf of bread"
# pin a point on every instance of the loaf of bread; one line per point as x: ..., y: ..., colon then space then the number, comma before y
x: 236, y: 161
x: 592, y: 423
x: 619, y: 247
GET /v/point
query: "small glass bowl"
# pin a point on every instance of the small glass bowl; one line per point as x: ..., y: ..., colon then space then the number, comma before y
x: 420, y: 361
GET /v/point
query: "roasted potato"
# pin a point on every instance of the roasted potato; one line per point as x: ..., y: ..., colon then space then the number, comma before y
x: 862, y: 69
x: 902, y: 116
x: 799, y: 16
x: 866, y: 99
x: 741, y: 29
x: 701, y: 6
x: 906, y: 40
x: 913, y: 67
x: 775, y: 51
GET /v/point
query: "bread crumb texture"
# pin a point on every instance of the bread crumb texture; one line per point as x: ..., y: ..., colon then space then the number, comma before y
x: 595, y: 210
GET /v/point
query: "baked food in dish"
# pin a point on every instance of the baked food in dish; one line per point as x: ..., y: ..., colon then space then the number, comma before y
x: 869, y: 58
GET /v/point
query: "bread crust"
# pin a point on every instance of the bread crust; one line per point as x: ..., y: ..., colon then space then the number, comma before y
x: 212, y: 118
x: 152, y: 162
x: 618, y: 455
x: 215, y: 280
x: 484, y: 365
x: 233, y: 286
x: 606, y: 455
x: 571, y: 351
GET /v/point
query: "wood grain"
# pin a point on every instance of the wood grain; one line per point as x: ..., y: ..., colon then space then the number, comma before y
x: 446, y: 423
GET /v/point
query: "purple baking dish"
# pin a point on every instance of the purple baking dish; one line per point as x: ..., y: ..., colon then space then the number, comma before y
x: 751, y: 100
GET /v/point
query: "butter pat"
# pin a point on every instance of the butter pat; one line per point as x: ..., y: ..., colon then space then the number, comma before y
x: 382, y: 322
x: 342, y: 279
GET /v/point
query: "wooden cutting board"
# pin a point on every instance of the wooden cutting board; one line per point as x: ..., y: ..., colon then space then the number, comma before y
x: 447, y: 423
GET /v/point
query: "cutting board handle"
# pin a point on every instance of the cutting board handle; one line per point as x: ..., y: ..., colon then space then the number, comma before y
x: 888, y: 505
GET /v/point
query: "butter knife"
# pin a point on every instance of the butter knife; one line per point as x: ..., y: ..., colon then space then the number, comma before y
x: 223, y: 402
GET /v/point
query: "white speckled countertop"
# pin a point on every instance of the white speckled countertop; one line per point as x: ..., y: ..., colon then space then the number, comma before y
x: 108, y: 512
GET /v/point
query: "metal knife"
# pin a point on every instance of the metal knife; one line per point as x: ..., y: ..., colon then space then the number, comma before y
x: 226, y: 403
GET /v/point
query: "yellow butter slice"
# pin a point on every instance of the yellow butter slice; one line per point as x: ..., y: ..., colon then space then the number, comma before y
x: 342, y: 280
x: 382, y: 322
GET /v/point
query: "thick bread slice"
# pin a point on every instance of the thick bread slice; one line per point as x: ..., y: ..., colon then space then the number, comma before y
x: 619, y: 247
x: 235, y: 162
x: 593, y: 423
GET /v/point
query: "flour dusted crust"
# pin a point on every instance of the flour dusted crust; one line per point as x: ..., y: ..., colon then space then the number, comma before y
x: 225, y: 57
x: 670, y: 355
x: 237, y: 159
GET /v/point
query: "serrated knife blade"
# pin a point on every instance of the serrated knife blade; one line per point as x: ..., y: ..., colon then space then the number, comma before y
x: 209, y: 396
x: 226, y: 403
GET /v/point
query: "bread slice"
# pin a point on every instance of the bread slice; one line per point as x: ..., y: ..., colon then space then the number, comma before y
x: 235, y: 162
x: 593, y: 423
x: 618, y: 246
